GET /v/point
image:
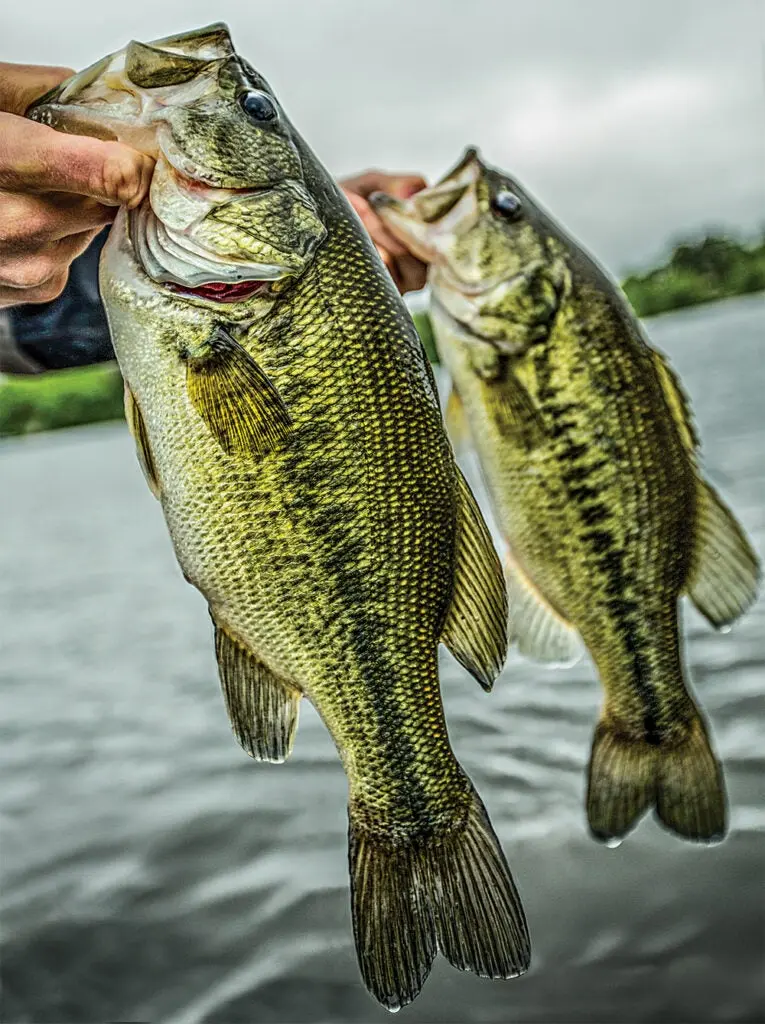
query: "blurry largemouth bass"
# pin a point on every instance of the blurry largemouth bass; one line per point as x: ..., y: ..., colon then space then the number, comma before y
x: 589, y: 452
x: 286, y: 420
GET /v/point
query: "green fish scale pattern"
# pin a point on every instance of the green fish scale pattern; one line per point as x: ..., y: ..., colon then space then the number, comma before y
x: 601, y: 514
x: 333, y: 558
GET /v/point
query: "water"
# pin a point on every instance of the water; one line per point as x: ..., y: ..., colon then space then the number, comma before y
x: 152, y: 872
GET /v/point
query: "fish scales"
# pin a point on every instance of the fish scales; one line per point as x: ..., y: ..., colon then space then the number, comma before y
x: 287, y: 420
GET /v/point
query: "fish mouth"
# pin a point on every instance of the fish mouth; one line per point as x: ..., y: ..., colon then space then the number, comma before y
x: 219, y: 291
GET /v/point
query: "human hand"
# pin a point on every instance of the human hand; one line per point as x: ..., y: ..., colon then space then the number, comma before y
x: 57, y: 191
x: 407, y: 271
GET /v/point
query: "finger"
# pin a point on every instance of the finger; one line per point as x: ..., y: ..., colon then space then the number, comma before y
x: 28, y: 223
x: 46, y: 292
x: 20, y: 84
x: 377, y: 230
x: 34, y: 157
x: 390, y: 263
x: 401, y: 185
x: 32, y: 272
x: 412, y: 273
x: 405, y: 185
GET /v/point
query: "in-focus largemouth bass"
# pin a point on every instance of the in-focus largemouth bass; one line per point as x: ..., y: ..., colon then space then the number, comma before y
x: 590, y: 455
x: 287, y: 421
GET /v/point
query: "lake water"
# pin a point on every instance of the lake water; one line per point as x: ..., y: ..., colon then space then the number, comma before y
x: 152, y: 872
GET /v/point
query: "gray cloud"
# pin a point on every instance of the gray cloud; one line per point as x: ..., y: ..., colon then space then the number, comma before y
x: 632, y: 123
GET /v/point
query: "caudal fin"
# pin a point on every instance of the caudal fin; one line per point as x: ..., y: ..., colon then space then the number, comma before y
x: 451, y: 894
x: 683, y: 780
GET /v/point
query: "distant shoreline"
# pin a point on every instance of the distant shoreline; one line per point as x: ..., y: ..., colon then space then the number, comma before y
x: 698, y: 271
x: 93, y: 394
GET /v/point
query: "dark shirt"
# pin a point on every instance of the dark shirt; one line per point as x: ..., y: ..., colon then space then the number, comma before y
x: 70, y: 331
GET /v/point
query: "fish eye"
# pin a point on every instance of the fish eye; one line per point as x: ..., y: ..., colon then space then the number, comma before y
x: 507, y: 204
x: 257, y: 105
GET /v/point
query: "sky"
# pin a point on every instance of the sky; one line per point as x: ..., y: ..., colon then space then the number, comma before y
x: 633, y: 123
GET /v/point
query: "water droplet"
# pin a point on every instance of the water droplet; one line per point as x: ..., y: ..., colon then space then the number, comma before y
x: 613, y: 843
x: 725, y: 629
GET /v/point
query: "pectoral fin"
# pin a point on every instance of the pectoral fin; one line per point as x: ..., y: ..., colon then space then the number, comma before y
x: 137, y: 428
x: 235, y: 398
x: 726, y: 572
x: 539, y: 630
x: 263, y: 710
x: 518, y: 417
x: 475, y: 630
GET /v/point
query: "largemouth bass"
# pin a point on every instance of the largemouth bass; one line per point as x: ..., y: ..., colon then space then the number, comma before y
x: 589, y: 451
x: 286, y: 419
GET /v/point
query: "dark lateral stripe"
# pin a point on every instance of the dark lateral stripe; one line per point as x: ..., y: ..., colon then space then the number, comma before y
x: 578, y: 479
x: 339, y: 549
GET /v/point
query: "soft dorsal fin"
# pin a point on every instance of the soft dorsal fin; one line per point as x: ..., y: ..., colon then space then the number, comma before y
x: 262, y: 708
x: 475, y: 630
x: 725, y: 571
x: 137, y: 428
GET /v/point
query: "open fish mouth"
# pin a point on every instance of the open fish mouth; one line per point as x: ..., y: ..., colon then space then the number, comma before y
x: 228, y: 213
x: 218, y: 291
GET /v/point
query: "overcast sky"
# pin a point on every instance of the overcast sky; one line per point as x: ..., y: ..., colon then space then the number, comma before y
x: 633, y: 122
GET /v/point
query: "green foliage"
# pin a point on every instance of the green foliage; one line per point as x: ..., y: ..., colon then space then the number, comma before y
x: 701, y: 270
x: 425, y: 331
x: 64, y: 398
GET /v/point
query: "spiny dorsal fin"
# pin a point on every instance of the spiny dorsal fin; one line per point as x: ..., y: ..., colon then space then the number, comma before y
x: 263, y: 710
x: 475, y: 630
x: 235, y: 398
x: 678, y: 402
x: 540, y: 631
x: 137, y: 428
x: 725, y: 572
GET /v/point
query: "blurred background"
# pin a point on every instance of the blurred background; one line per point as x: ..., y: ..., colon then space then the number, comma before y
x: 149, y: 871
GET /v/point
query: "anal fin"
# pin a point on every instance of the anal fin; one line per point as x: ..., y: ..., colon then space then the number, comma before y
x: 539, y: 630
x: 726, y: 572
x: 475, y: 630
x: 137, y: 428
x: 262, y: 708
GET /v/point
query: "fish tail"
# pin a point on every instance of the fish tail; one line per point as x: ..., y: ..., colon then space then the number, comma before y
x: 452, y: 894
x: 681, y: 778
